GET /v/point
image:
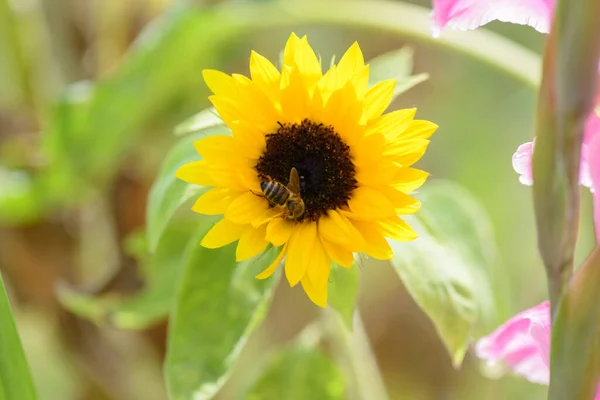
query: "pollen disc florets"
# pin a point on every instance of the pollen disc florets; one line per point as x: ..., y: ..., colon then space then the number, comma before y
x: 323, y: 160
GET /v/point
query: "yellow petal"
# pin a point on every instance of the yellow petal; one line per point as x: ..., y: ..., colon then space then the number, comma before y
x: 395, y: 228
x: 339, y: 254
x: 214, y: 144
x: 196, y: 172
x: 369, y: 204
x: 246, y: 208
x: 392, y: 124
x: 361, y: 82
x: 317, y: 296
x: 329, y: 83
x: 419, y: 129
x: 289, y: 51
x: 409, y: 159
x: 219, y: 82
x: 248, y: 179
x: 255, y: 102
x: 380, y: 173
x: 351, y: 63
x: 368, y: 150
x: 226, y: 108
x: 378, y: 98
x: 273, y: 267
x: 344, y: 111
x: 337, y: 229
x: 252, y: 241
x: 298, y: 54
x: 299, y: 251
x: 265, y: 75
x: 223, y: 233
x: 279, y: 231
x: 319, y: 267
x: 270, y: 214
x: 222, y: 149
x: 403, y: 203
x: 215, y: 201
x: 243, y: 107
x: 376, y: 245
x: 409, y: 179
x: 251, y: 139
x: 227, y: 176
x: 406, y: 152
x: 295, y: 101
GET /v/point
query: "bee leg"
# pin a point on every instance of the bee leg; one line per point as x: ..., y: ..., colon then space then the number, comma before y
x: 257, y: 194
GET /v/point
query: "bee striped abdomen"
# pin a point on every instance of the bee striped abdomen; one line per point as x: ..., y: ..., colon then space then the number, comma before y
x: 275, y: 192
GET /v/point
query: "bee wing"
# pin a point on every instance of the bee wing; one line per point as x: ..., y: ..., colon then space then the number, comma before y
x: 294, y: 184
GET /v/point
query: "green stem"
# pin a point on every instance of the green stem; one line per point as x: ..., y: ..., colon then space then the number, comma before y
x: 565, y: 101
x: 354, y: 354
x: 408, y: 21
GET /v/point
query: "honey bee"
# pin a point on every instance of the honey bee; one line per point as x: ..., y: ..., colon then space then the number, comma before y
x: 287, y: 198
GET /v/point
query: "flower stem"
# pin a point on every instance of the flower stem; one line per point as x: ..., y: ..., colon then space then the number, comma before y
x: 565, y: 101
x: 353, y: 351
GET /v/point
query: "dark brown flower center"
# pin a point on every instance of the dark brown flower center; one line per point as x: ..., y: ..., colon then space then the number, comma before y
x: 323, y: 160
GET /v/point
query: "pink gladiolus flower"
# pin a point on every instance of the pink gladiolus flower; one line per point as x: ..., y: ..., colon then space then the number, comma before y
x: 590, y: 158
x: 522, y: 344
x: 471, y: 14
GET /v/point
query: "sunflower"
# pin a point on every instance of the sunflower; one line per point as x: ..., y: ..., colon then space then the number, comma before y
x: 352, y: 164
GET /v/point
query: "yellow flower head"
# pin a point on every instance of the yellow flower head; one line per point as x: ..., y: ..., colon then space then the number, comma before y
x: 313, y: 165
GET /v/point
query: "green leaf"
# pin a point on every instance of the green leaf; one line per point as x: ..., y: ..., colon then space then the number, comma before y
x: 15, y: 378
x: 455, y: 216
x: 218, y: 306
x: 575, y: 357
x: 443, y: 275
x: 439, y: 282
x: 458, y: 220
x: 206, y: 118
x: 404, y: 85
x: 397, y: 64
x: 168, y: 192
x: 299, y: 373
x: 343, y: 291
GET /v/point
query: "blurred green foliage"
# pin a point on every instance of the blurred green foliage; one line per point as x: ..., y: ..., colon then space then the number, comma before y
x: 92, y: 114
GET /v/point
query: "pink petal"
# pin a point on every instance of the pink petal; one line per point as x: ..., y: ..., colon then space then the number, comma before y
x: 593, y: 156
x: 521, y: 162
x: 592, y: 130
x: 522, y: 344
x: 471, y: 14
x: 522, y: 158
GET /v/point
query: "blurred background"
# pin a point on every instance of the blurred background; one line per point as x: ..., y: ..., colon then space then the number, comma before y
x: 90, y: 92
